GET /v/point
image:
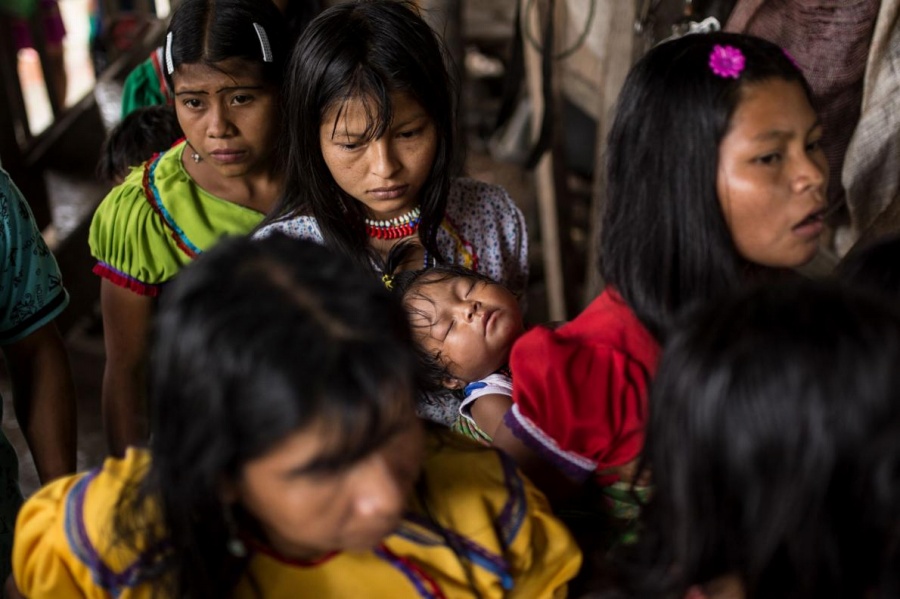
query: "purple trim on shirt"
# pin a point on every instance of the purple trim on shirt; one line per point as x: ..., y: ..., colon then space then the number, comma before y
x: 475, y: 553
x: 575, y: 467
x: 84, y: 550
x: 513, y: 515
x: 412, y: 575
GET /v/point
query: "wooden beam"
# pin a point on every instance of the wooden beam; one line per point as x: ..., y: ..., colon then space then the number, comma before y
x: 549, y: 175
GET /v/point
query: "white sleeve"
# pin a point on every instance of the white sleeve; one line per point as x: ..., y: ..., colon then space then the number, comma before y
x: 493, y: 384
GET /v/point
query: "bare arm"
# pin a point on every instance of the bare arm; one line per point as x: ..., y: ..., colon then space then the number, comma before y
x: 126, y: 322
x: 44, y: 399
x: 488, y: 411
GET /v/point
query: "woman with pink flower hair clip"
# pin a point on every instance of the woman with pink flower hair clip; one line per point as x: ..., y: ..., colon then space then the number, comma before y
x: 715, y: 178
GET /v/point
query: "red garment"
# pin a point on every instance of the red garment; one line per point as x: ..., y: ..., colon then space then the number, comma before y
x: 580, y: 391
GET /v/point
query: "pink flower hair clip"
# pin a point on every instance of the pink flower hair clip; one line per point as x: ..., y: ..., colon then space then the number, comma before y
x: 726, y: 61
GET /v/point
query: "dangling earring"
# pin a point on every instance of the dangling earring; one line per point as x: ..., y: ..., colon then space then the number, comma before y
x: 194, y: 155
x: 235, y: 545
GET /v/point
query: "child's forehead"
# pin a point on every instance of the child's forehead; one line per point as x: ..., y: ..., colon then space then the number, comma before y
x: 424, y: 299
x: 432, y: 283
x: 234, y: 71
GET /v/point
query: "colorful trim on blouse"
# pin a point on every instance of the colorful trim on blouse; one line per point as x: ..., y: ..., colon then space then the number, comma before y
x: 576, y: 467
x: 423, y: 531
x: 464, y: 247
x: 513, y: 515
x: 260, y: 547
x: 82, y: 547
x: 424, y: 584
x: 117, y: 277
x: 153, y: 197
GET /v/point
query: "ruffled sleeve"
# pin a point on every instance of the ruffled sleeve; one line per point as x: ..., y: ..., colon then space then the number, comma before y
x: 64, y: 532
x: 582, y: 406
x: 129, y: 239
x: 158, y: 221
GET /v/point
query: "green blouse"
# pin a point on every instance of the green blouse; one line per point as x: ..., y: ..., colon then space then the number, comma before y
x: 145, y: 85
x: 157, y: 221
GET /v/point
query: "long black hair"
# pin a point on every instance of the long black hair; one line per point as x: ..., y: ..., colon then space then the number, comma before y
x: 774, y: 447
x: 665, y: 242
x: 210, y: 31
x: 874, y: 265
x: 363, y: 50
x: 141, y: 134
x: 253, y: 342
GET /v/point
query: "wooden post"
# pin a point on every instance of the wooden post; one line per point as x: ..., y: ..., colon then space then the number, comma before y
x: 549, y: 175
x: 620, y: 43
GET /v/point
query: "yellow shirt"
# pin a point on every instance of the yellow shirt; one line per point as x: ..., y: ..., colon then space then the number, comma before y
x: 513, y: 545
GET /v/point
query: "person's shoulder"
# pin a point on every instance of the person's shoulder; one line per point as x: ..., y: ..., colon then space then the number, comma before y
x: 128, y: 231
x: 495, y: 515
x: 465, y: 191
x: 104, y: 486
x: 610, y: 321
x: 298, y: 227
x: 476, y: 209
x: 97, y: 492
x: 128, y: 197
x: 465, y: 476
x: 7, y: 187
x: 606, y: 329
x: 67, y: 527
x: 124, y: 215
x: 14, y: 208
x: 607, y: 320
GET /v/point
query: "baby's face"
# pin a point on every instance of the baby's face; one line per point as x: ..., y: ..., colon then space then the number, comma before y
x: 471, y: 324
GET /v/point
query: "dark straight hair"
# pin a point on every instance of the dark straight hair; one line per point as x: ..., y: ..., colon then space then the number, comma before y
x: 141, y: 134
x: 255, y: 341
x: 874, y: 265
x: 210, y: 31
x: 774, y: 447
x: 665, y: 243
x: 364, y: 50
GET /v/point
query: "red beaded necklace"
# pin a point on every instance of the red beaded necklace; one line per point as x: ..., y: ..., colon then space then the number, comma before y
x: 394, y: 228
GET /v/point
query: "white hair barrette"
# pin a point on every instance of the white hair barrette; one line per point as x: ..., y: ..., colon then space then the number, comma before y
x: 263, y: 42
x: 170, y: 66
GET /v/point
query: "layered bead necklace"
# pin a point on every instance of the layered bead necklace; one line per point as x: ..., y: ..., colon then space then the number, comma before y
x: 394, y: 228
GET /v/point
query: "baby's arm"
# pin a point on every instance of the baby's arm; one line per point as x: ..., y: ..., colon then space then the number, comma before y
x: 486, y: 402
x: 488, y: 410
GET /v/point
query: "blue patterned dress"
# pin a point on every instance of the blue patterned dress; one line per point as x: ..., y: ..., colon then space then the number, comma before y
x: 31, y: 295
